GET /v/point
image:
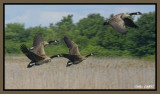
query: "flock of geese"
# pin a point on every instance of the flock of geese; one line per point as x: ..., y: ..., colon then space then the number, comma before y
x: 38, y: 56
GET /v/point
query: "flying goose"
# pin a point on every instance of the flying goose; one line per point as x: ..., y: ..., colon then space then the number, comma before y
x: 119, y: 21
x: 74, y: 55
x: 38, y: 55
x: 38, y: 39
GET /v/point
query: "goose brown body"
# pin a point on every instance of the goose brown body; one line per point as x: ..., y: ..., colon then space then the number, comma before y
x: 74, y: 55
x: 38, y: 55
x: 119, y: 21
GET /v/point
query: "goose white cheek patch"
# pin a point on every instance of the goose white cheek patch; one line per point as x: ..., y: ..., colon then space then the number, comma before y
x: 32, y: 48
x: 69, y: 63
x: 32, y: 64
x: 55, y: 41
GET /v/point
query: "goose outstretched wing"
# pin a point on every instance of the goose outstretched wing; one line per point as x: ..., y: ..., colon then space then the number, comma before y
x: 37, y: 40
x: 128, y: 22
x: 73, y: 47
x: 32, y: 56
x: 118, y: 25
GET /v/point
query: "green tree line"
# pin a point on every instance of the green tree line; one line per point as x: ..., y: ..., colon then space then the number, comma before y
x: 90, y: 34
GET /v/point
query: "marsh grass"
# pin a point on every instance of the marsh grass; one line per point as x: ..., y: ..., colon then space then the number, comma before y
x: 93, y: 73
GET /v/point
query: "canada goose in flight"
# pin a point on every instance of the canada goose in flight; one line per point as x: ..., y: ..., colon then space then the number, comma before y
x: 74, y: 55
x: 38, y: 39
x: 38, y: 56
x: 119, y: 21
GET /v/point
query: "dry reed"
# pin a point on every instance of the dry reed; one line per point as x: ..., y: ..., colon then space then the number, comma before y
x: 93, y: 73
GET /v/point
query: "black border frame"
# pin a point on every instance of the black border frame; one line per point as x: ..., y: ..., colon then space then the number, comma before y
x: 79, y: 89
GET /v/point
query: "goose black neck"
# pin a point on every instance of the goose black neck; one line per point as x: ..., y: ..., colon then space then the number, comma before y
x: 54, y: 56
x: 53, y: 41
x: 134, y: 13
x: 88, y: 55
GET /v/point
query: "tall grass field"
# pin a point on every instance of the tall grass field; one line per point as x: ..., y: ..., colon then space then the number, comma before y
x: 93, y: 73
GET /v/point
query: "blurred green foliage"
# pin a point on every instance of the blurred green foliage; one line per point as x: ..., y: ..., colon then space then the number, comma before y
x: 90, y: 35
